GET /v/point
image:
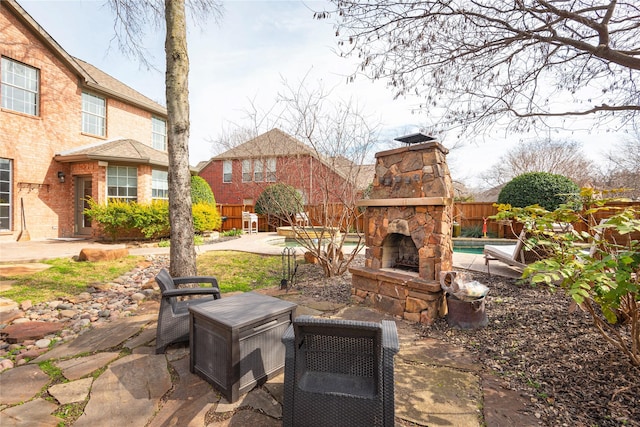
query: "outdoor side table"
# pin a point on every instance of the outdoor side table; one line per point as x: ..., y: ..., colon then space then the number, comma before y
x: 236, y: 342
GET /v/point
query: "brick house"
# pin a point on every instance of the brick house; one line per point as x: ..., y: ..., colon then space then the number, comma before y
x: 68, y: 131
x: 239, y: 175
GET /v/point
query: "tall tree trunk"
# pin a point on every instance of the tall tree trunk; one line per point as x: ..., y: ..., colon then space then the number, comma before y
x: 182, y: 250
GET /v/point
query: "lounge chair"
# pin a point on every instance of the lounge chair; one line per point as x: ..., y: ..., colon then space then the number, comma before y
x: 173, y: 317
x: 520, y: 254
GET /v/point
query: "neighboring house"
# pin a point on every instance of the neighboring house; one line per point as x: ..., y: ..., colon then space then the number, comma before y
x: 239, y: 175
x: 69, y: 131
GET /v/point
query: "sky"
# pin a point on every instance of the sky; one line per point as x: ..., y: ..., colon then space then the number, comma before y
x: 240, y: 63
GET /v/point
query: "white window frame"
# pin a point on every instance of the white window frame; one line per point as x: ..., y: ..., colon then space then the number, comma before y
x: 258, y: 167
x: 159, y: 184
x: 246, y: 170
x: 20, y: 89
x: 227, y: 171
x: 270, y: 175
x: 122, y: 183
x: 6, y: 196
x: 94, y: 114
x: 159, y: 133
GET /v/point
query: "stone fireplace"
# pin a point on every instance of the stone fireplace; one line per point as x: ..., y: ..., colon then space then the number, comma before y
x: 408, y: 222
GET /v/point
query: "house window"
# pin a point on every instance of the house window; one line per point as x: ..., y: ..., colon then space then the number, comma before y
x: 5, y: 194
x: 227, y: 169
x: 257, y: 171
x: 246, y: 171
x: 159, y: 133
x: 94, y: 113
x: 20, y: 85
x: 122, y: 183
x: 271, y: 170
x: 159, y: 185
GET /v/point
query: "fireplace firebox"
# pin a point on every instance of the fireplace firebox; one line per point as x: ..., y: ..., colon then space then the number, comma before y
x: 408, y: 232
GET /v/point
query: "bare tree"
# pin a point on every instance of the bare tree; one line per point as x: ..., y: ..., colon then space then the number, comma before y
x: 558, y: 157
x: 337, y: 140
x: 341, y: 137
x: 478, y: 62
x: 622, y: 170
x: 131, y: 18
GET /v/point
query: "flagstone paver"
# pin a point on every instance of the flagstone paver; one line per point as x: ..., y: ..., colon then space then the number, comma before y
x: 21, y: 384
x: 250, y: 418
x: 100, y: 338
x: 36, y: 413
x: 437, y: 396
x: 79, y: 367
x: 145, y: 337
x: 128, y: 391
x: 71, y: 392
x: 189, y: 402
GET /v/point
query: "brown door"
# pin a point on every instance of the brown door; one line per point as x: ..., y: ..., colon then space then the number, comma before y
x: 83, y: 191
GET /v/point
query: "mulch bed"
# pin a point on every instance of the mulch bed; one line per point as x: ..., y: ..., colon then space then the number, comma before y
x: 537, y: 346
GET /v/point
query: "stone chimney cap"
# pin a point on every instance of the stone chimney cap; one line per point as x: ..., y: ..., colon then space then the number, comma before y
x: 415, y: 138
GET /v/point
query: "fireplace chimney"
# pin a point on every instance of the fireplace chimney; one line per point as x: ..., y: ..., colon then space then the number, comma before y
x: 408, y: 231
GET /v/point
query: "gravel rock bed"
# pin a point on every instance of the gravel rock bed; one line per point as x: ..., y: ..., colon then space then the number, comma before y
x: 535, y: 345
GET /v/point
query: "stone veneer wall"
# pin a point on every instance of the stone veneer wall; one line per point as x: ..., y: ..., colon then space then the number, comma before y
x: 412, y: 196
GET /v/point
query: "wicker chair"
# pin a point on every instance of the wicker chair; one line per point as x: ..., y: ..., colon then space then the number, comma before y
x: 339, y: 373
x: 173, y: 318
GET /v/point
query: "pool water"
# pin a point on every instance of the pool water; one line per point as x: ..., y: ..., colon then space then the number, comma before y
x: 477, y: 250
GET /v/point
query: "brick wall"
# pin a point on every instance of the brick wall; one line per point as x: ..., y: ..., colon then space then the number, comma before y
x: 317, y: 182
x: 31, y: 142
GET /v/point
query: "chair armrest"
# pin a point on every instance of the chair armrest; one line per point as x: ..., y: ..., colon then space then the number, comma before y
x: 191, y: 291
x: 195, y: 279
x: 289, y: 336
x: 390, y: 340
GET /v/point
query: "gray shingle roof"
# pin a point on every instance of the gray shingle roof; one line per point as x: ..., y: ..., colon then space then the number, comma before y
x: 274, y: 143
x: 89, y: 76
x: 115, y: 87
x: 119, y: 150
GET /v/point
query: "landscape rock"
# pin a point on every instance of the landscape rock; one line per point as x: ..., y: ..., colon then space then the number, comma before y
x: 93, y: 255
x: 19, y: 332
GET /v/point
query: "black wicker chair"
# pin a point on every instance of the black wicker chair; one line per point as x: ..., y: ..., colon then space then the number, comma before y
x: 339, y: 373
x: 173, y: 318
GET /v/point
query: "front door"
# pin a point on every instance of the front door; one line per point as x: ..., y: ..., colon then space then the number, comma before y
x: 83, y: 191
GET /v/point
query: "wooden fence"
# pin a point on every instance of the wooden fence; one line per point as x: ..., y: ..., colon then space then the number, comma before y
x: 470, y: 215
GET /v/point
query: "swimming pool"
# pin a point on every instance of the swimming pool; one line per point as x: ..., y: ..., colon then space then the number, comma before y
x: 477, y: 250
x: 464, y: 246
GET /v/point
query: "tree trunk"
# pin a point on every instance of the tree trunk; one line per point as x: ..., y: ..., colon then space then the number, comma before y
x: 182, y: 261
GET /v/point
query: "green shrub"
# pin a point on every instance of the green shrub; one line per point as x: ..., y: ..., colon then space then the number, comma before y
x: 234, y: 232
x: 279, y: 200
x: 115, y: 217
x: 205, y: 217
x: 471, y: 231
x: 201, y: 191
x: 601, y: 275
x: 541, y: 188
x: 151, y: 220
